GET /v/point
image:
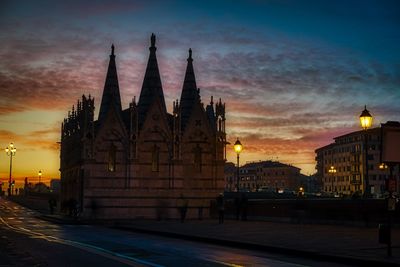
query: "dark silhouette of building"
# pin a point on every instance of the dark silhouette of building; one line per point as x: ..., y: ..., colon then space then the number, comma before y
x: 136, y: 162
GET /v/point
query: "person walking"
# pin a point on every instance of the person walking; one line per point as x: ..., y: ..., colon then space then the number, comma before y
x: 243, y: 204
x: 182, y: 206
x: 221, y: 208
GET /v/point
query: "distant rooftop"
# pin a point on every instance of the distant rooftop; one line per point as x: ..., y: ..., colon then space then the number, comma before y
x: 264, y: 164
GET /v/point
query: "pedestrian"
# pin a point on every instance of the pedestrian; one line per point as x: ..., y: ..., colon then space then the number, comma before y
x: 237, y: 205
x: 244, y: 203
x: 221, y: 208
x: 93, y: 206
x: 52, y: 204
x: 200, y: 210
x: 182, y: 206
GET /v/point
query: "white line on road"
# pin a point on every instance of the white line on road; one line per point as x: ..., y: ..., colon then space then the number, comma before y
x: 94, y: 249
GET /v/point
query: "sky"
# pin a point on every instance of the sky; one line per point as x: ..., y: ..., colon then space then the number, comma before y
x: 293, y: 74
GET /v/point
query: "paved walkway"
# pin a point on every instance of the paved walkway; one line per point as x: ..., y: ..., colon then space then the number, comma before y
x: 346, y: 244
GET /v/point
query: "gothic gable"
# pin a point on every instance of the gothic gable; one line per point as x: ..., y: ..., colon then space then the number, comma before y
x: 111, y: 143
x: 154, y: 141
x: 198, y: 126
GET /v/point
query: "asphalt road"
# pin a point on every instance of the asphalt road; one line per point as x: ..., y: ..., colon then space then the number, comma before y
x: 27, y: 240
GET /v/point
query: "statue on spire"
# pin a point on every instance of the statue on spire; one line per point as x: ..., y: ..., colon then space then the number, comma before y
x: 112, y: 49
x: 153, y: 40
x: 190, y: 53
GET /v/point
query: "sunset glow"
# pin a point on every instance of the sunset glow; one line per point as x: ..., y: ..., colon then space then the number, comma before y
x: 293, y: 74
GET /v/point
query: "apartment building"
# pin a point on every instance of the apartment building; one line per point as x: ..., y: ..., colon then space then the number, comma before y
x: 341, y: 165
x: 269, y: 175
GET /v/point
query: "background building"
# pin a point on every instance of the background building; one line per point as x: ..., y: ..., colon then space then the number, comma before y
x: 142, y: 162
x: 230, y: 172
x: 55, y: 185
x: 346, y: 157
x: 265, y: 175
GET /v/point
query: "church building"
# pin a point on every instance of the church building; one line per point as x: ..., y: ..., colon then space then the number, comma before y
x: 143, y: 162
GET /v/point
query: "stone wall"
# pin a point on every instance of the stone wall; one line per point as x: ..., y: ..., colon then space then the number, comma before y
x: 357, y: 211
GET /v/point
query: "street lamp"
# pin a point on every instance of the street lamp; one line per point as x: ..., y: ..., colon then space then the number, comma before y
x: 332, y: 171
x: 383, y: 166
x: 40, y: 176
x: 301, y: 191
x: 366, y: 122
x: 10, y: 150
x: 238, y: 148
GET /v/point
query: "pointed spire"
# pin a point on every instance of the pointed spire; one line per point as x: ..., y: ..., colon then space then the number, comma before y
x: 151, y: 87
x: 111, y: 96
x: 153, y: 40
x: 190, y: 93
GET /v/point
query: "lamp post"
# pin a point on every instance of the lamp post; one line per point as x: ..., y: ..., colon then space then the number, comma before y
x: 301, y: 192
x: 10, y: 150
x: 238, y: 148
x: 366, y: 122
x: 332, y: 171
x: 39, y: 185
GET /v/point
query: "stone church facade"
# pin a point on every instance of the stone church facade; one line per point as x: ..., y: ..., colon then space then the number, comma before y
x: 142, y: 162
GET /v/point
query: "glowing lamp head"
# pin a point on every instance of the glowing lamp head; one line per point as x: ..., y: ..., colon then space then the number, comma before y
x: 332, y: 170
x: 365, y: 119
x: 40, y: 173
x: 383, y: 166
x: 10, y: 150
x: 238, y: 146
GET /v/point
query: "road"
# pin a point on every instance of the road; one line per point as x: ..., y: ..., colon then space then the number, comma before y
x: 27, y: 240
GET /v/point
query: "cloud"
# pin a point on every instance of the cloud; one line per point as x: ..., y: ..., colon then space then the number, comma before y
x: 34, y: 140
x: 284, y: 95
x: 101, y: 8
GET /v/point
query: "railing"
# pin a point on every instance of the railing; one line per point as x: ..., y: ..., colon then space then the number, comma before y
x: 355, y: 181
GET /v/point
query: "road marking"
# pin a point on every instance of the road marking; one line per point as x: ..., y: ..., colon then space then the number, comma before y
x: 227, y: 264
x: 117, y: 254
x: 91, y: 248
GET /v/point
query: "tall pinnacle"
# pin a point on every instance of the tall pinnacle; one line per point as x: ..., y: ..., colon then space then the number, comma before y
x: 190, y: 93
x: 153, y: 40
x: 151, y: 87
x: 111, y: 96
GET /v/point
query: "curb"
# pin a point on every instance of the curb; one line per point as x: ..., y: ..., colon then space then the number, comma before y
x: 54, y: 219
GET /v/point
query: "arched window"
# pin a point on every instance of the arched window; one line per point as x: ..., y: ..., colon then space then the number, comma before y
x: 197, y: 151
x: 155, y: 163
x: 112, y: 155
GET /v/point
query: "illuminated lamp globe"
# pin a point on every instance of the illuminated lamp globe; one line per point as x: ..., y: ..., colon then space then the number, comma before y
x: 238, y: 146
x: 365, y: 119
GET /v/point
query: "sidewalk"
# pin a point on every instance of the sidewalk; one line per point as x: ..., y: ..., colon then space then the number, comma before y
x: 336, y: 243
x: 342, y: 244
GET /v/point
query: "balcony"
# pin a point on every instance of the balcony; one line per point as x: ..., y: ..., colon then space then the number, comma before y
x: 355, y: 181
